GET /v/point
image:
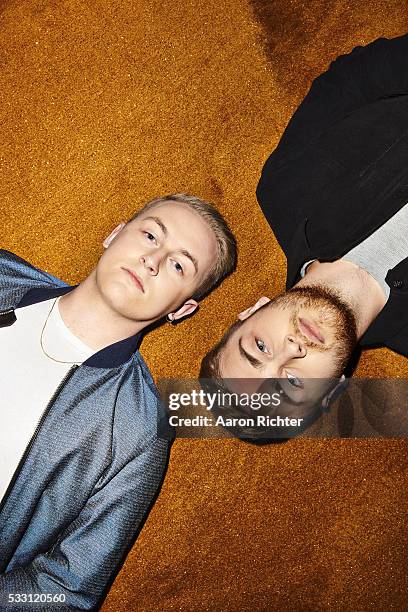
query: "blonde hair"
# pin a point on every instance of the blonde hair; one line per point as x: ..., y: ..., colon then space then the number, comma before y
x: 226, y: 260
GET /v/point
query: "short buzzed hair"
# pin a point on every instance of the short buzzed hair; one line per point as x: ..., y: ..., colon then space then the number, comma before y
x: 226, y: 260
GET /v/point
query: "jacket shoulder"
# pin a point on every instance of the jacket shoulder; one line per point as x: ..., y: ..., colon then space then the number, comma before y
x: 17, y: 276
x: 13, y: 266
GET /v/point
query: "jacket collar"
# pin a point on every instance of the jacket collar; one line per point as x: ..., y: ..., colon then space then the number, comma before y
x: 111, y: 356
x: 297, y: 255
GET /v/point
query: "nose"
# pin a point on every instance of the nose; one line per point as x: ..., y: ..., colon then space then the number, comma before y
x: 151, y: 262
x: 294, y: 346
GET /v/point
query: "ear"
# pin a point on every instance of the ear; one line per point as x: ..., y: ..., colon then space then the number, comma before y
x: 184, y: 310
x: 113, y: 234
x: 333, y: 394
x: 247, y: 313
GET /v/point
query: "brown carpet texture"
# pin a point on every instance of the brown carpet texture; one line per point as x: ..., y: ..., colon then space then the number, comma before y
x: 108, y: 103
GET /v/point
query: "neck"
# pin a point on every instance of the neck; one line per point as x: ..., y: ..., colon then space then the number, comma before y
x: 92, y: 319
x: 358, y: 289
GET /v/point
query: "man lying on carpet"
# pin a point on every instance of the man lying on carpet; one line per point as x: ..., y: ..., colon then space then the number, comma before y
x: 334, y: 192
x: 81, y: 460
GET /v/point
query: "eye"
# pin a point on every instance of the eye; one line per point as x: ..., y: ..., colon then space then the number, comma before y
x: 178, y: 267
x: 295, y: 382
x: 261, y: 345
x: 150, y: 237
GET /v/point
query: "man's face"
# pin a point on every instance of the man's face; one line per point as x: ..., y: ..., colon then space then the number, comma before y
x: 297, y: 338
x: 153, y: 265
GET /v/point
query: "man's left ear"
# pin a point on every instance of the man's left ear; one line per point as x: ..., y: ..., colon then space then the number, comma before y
x: 113, y: 234
x: 334, y: 393
x: 184, y: 310
x: 247, y: 313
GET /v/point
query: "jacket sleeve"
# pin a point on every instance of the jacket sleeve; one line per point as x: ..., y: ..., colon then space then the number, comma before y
x: 367, y: 74
x: 88, y: 554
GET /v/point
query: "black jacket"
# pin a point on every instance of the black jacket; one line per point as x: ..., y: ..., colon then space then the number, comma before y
x: 341, y: 170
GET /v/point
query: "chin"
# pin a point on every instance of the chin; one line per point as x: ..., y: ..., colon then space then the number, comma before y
x: 116, y: 297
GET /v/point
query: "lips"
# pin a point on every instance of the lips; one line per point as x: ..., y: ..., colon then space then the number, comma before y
x: 311, y: 331
x: 135, y: 279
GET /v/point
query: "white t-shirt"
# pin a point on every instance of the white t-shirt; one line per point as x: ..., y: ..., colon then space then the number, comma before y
x: 29, y: 378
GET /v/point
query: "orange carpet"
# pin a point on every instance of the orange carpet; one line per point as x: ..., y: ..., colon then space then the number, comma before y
x: 106, y: 104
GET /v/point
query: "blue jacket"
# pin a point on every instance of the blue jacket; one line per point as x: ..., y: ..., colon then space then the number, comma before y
x: 90, y: 472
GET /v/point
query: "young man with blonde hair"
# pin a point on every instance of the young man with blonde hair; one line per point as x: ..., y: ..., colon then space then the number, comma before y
x: 80, y: 456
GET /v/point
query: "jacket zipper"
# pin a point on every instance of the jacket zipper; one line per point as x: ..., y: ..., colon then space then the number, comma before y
x: 35, y: 434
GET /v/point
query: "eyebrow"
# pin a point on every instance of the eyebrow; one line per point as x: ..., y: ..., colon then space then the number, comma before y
x: 191, y: 258
x: 290, y: 400
x: 165, y: 232
x: 159, y: 223
x: 252, y: 360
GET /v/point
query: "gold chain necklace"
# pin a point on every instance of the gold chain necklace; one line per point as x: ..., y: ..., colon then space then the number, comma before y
x: 41, y: 339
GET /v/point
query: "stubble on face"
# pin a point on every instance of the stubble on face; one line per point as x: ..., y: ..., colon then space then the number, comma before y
x: 329, y: 311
